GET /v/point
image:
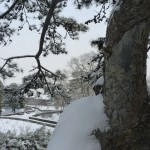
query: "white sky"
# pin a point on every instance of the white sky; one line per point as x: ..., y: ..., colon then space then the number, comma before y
x: 27, y: 43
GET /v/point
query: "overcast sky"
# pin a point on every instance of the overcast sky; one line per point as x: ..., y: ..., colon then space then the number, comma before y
x: 27, y: 43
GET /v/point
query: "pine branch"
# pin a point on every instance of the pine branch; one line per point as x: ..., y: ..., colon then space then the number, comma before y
x: 40, y: 68
x: 46, y: 82
x: 45, y: 27
x: 46, y: 24
x: 15, y: 57
x: 49, y: 71
x: 10, y: 9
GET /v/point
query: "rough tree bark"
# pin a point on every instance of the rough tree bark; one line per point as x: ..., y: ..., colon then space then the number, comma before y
x: 125, y: 92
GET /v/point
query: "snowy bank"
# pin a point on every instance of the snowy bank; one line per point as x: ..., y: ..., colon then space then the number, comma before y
x: 77, y: 122
x: 17, y: 126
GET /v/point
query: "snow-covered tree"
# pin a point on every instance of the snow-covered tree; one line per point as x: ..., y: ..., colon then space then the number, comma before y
x: 125, y: 90
x: 36, y: 140
x: 125, y: 53
x: 79, y: 82
x: 14, y: 98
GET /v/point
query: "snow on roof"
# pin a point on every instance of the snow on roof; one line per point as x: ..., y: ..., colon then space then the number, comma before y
x: 77, y: 122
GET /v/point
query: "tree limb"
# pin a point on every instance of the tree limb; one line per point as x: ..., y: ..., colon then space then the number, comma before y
x: 46, y: 82
x: 48, y: 71
x: 36, y: 56
x: 11, y: 8
x: 46, y: 24
x: 15, y: 57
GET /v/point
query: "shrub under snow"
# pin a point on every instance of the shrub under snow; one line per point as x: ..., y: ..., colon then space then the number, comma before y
x: 36, y: 140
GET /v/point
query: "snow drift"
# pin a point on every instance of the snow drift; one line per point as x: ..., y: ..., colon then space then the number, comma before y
x: 77, y: 122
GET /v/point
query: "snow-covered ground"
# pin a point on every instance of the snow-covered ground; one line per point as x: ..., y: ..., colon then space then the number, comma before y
x: 22, y: 126
x: 17, y: 126
x: 76, y: 124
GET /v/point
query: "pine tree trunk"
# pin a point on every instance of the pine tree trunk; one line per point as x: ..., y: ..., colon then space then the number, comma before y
x: 125, y: 94
x: 1, y: 97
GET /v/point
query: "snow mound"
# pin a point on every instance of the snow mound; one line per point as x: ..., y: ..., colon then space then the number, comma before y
x: 100, y: 81
x: 77, y: 122
x: 148, y: 84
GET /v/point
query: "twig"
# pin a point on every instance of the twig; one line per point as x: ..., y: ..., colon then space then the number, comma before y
x: 15, y: 57
x: 46, y: 24
x: 48, y: 71
x: 11, y: 8
x: 46, y: 82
